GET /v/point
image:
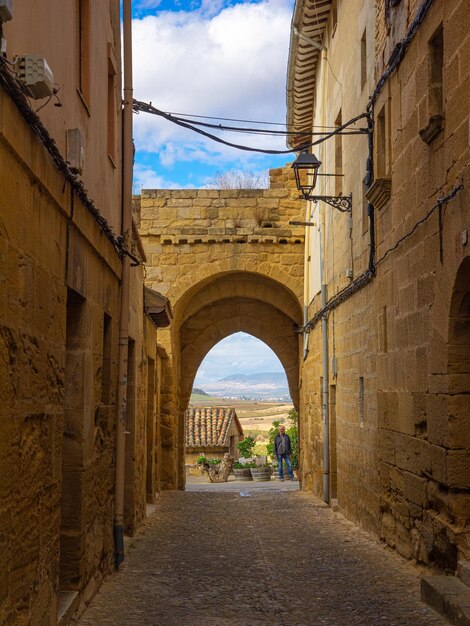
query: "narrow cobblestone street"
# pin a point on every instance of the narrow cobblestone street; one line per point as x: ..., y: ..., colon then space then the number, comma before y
x: 256, y: 557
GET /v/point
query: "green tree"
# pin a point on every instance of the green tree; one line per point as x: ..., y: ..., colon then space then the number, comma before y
x: 246, y: 447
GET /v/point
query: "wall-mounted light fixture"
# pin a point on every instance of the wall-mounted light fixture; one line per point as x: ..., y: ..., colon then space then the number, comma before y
x: 306, y: 168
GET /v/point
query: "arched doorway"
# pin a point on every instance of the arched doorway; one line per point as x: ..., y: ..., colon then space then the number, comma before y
x: 458, y: 412
x: 229, y: 303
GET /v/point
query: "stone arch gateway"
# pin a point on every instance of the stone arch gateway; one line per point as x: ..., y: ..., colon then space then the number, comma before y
x: 228, y: 261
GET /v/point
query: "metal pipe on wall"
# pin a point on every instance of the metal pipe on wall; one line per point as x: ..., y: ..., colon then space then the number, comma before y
x: 126, y: 229
x: 324, y: 319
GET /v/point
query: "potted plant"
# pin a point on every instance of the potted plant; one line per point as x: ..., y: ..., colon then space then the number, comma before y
x: 261, y: 472
x: 242, y: 471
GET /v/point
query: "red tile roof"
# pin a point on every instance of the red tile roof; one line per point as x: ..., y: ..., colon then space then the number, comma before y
x: 209, y: 426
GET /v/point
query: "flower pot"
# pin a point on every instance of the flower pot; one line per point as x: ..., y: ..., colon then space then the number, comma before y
x: 261, y: 473
x: 243, y: 473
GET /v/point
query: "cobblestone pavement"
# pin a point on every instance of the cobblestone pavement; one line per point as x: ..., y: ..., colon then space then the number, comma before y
x: 264, y: 558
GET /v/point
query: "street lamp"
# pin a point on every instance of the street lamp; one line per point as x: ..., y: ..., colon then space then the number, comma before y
x: 306, y: 168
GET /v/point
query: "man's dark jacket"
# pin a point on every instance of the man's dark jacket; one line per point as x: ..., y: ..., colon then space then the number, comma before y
x: 277, y: 443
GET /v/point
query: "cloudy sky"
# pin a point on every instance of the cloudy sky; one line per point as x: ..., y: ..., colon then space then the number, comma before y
x: 222, y: 58
x: 237, y: 354
x: 218, y: 58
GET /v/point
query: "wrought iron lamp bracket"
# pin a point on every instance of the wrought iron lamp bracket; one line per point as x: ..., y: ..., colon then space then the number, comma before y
x: 342, y: 203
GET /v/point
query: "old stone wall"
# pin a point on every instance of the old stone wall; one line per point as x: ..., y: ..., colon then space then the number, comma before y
x: 228, y: 260
x: 351, y: 326
x: 59, y: 281
x: 142, y: 478
x: 398, y: 348
x: 59, y: 331
x: 423, y: 411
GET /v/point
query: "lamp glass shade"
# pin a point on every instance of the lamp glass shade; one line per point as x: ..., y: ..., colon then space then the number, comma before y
x: 305, y: 168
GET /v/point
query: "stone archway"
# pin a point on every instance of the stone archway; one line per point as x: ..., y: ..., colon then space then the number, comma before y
x: 212, y: 323
x: 229, y: 303
x: 228, y: 260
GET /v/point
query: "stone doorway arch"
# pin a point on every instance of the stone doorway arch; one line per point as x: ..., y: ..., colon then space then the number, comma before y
x: 232, y: 302
x: 446, y: 534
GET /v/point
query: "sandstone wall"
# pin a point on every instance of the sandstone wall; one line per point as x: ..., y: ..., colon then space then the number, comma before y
x: 423, y: 412
x: 57, y: 433
x: 351, y: 326
x: 400, y: 377
x: 215, y: 254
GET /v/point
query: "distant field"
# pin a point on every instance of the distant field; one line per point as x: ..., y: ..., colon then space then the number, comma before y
x: 255, y: 417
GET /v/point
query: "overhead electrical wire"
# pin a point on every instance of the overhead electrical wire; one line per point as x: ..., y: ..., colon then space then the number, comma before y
x: 232, y: 119
x: 149, y: 108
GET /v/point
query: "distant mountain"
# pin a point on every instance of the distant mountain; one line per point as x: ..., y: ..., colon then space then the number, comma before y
x: 262, y: 377
x: 263, y: 385
x: 200, y: 392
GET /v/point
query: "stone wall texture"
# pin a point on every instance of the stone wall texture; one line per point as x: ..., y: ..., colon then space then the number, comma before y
x: 399, y: 369
x: 229, y: 261
x: 59, y: 329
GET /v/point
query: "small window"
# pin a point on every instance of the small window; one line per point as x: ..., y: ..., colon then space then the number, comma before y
x: 364, y: 59
x: 82, y: 46
x: 339, y: 157
x: 436, y: 62
x: 106, y: 361
x: 435, y: 88
x: 383, y: 146
x: 361, y: 401
x: 111, y: 109
x: 334, y: 16
x: 365, y: 208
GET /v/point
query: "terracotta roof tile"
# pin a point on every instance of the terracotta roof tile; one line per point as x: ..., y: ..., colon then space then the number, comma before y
x: 209, y: 426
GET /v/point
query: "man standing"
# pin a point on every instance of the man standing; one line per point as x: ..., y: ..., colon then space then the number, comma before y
x: 283, y: 450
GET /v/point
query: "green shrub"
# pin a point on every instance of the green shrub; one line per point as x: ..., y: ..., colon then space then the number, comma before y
x: 246, y: 447
x: 201, y: 459
x: 214, y: 461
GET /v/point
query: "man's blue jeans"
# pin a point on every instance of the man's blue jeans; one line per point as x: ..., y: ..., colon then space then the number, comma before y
x: 281, y: 468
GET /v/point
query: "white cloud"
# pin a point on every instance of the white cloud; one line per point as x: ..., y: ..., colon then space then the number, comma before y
x: 147, y: 178
x: 238, y: 353
x: 229, y: 62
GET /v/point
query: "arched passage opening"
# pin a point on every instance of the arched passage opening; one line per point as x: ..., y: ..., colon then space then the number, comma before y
x: 233, y: 302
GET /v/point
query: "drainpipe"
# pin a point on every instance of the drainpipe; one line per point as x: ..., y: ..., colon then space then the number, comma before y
x: 127, y: 170
x: 306, y: 275
x: 324, y: 321
x: 325, y: 390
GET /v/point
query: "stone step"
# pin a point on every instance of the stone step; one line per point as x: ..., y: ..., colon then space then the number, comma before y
x: 449, y: 597
x: 463, y: 572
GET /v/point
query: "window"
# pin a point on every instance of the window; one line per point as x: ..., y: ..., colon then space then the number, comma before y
x: 383, y: 146
x: 435, y: 88
x: 361, y: 401
x: 82, y: 45
x: 111, y: 104
x: 364, y: 59
x: 436, y: 62
x: 106, y: 361
x: 334, y: 16
x: 365, y: 208
x: 339, y: 158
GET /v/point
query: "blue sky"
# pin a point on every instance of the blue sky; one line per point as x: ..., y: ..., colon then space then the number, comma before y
x: 239, y: 353
x: 221, y: 58
x: 207, y: 57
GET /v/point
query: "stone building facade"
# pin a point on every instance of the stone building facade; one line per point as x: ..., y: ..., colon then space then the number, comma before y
x: 398, y: 319
x: 60, y: 282
x: 229, y: 261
